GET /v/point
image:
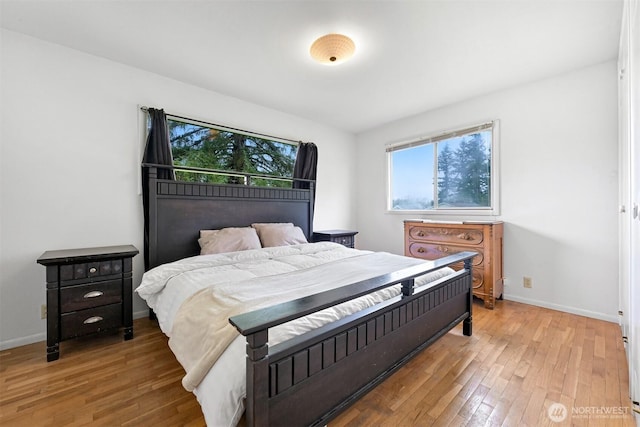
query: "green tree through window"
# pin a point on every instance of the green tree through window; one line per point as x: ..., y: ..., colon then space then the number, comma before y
x: 452, y: 171
x: 203, y: 146
x: 464, y: 174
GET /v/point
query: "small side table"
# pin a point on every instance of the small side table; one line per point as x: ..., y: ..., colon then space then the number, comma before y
x: 344, y: 237
x: 88, y: 291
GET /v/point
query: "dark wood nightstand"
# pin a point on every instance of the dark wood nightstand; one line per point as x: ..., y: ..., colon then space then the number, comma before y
x: 344, y: 237
x: 88, y: 291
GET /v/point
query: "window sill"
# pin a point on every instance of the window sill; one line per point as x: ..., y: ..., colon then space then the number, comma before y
x: 448, y: 212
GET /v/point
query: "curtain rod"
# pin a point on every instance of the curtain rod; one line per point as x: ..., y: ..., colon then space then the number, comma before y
x: 146, y: 109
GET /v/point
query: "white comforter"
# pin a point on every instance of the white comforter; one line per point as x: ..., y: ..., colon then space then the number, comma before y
x: 180, y: 293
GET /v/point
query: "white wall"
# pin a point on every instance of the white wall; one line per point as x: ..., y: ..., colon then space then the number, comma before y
x: 558, y: 186
x: 70, y: 145
x: 71, y: 142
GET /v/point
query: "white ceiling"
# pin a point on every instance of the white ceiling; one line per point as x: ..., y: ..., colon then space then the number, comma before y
x: 411, y: 56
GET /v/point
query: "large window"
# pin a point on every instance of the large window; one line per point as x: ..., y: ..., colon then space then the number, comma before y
x: 229, y: 151
x: 455, y: 172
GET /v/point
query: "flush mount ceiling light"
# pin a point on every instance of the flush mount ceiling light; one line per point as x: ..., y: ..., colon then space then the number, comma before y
x: 332, y: 49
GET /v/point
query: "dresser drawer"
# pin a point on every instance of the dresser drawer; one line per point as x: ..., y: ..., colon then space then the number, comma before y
x: 433, y: 251
x: 84, y: 322
x: 477, y: 279
x: 477, y: 276
x: 446, y: 234
x: 94, y: 294
x: 88, y: 270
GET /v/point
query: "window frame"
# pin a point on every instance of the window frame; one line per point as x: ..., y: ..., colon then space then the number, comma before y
x: 493, y: 210
x: 244, y: 175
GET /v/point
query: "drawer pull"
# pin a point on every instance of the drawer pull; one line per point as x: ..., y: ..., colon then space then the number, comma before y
x: 93, y: 270
x: 420, y: 233
x: 421, y: 250
x: 94, y: 319
x: 93, y: 294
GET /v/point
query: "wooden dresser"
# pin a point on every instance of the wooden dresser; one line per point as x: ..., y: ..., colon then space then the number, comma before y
x: 432, y: 240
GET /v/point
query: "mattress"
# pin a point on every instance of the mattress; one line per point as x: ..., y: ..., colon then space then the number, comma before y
x: 170, y: 290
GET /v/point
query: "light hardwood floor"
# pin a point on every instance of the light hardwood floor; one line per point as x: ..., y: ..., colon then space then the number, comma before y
x: 520, y: 360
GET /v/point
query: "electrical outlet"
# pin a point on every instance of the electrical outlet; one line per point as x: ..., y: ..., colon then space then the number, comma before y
x: 43, y: 311
x: 527, y: 282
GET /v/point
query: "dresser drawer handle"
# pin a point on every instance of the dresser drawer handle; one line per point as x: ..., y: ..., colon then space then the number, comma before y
x: 94, y: 319
x: 420, y: 233
x: 93, y: 294
x: 93, y: 270
x: 421, y: 250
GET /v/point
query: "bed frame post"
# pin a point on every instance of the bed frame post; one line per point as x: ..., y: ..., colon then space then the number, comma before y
x: 152, y: 188
x: 257, y: 411
x: 467, y: 324
x: 312, y: 198
x: 408, y: 287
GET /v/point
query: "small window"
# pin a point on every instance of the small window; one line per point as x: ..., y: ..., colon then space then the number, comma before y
x: 228, y: 151
x: 455, y: 172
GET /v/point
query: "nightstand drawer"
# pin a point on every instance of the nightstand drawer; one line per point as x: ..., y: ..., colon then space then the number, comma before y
x: 95, y: 294
x: 345, y: 240
x: 92, y: 320
x: 88, y: 270
x: 344, y: 237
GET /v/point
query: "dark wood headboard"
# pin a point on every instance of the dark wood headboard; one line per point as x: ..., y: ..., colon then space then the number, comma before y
x: 179, y: 210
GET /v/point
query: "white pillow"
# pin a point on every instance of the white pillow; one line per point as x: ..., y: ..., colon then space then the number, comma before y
x: 262, y: 226
x: 229, y: 239
x: 281, y: 236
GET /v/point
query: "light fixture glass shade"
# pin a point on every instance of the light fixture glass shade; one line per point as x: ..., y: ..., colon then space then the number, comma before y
x: 332, y: 49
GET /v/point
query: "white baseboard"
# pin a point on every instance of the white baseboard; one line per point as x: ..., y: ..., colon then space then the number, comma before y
x: 564, y: 308
x: 140, y: 314
x: 18, y: 342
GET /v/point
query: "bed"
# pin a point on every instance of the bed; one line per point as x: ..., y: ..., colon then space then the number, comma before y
x: 310, y: 347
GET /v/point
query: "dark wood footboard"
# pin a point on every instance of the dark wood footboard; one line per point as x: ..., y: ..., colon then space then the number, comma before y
x: 309, y: 379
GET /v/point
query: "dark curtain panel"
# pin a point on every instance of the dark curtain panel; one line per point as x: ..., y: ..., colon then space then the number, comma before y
x: 305, y: 167
x: 306, y: 164
x: 158, y: 148
x: 157, y: 151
